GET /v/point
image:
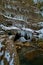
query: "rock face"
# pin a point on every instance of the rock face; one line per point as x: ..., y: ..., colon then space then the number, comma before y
x: 29, y: 51
x: 20, y: 16
x: 31, y: 55
x: 8, y: 53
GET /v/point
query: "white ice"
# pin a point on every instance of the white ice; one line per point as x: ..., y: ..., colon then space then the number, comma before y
x: 28, y: 29
x: 1, y: 45
x: 13, y: 18
x: 1, y: 53
x: 12, y: 62
x: 7, y: 55
x: 41, y: 31
x: 9, y: 28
